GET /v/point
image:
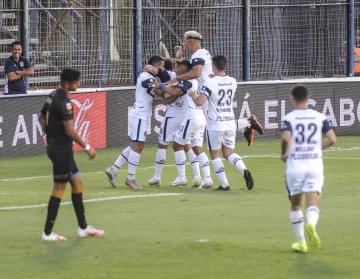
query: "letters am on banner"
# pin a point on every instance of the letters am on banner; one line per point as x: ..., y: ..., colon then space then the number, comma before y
x: 90, y: 118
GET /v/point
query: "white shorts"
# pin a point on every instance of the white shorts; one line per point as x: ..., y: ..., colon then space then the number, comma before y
x: 168, y: 129
x: 191, y: 130
x: 215, y: 139
x: 304, y: 182
x: 138, y: 128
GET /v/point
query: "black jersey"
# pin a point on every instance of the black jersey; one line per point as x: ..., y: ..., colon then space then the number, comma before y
x: 57, y: 108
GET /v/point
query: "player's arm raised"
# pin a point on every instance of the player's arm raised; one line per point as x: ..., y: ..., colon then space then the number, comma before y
x: 328, y: 130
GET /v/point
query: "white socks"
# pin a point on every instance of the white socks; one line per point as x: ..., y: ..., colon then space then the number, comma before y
x: 134, y: 159
x: 220, y: 172
x: 312, y: 215
x: 194, y: 164
x: 241, y: 124
x: 297, y: 220
x: 180, y: 160
x: 236, y: 160
x: 204, y: 165
x: 122, y: 159
x: 160, y: 162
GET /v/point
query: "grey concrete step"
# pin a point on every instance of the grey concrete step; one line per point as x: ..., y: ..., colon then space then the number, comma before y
x: 39, y: 80
x: 5, y: 55
x: 9, y: 41
x: 8, y: 15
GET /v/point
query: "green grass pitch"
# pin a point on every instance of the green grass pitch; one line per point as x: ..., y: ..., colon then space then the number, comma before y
x: 199, y: 234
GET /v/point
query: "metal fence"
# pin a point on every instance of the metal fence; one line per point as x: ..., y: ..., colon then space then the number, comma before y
x: 287, y: 38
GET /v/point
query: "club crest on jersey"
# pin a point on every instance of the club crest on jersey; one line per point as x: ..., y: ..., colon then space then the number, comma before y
x: 68, y: 106
x: 21, y: 64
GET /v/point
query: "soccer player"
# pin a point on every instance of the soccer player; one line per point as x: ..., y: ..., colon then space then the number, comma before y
x: 301, y: 150
x: 201, y: 69
x: 139, y: 122
x: 192, y: 127
x: 172, y: 120
x: 221, y: 124
x: 57, y: 120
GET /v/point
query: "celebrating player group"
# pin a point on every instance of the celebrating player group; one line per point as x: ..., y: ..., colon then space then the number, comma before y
x: 187, y: 92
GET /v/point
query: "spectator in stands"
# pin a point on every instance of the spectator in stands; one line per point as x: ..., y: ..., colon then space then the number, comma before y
x: 16, y: 67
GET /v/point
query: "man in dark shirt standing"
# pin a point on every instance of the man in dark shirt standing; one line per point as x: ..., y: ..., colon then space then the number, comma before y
x: 57, y: 119
x: 16, y: 67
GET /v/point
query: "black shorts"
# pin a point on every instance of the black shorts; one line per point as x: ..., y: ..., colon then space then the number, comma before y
x: 64, y: 166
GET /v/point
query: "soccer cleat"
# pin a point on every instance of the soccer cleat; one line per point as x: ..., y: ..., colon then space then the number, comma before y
x: 111, y: 174
x: 207, y: 183
x: 154, y: 182
x: 53, y: 236
x: 196, y: 183
x: 300, y: 247
x: 314, y: 237
x: 249, y: 135
x: 249, y: 180
x: 89, y: 231
x: 256, y: 125
x: 132, y: 183
x: 179, y: 181
x: 221, y: 188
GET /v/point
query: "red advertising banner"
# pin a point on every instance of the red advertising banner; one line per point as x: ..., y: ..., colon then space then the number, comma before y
x: 90, y: 118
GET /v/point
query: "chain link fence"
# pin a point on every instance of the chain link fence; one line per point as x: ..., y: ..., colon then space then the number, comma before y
x: 298, y: 38
x: 288, y: 38
x: 219, y: 22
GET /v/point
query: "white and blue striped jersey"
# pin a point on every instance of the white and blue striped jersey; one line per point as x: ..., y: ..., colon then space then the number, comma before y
x: 144, y: 97
x: 202, y: 57
x: 307, y: 127
x: 192, y: 111
x: 220, y: 91
x: 175, y: 109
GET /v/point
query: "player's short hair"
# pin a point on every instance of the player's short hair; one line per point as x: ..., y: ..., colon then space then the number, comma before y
x: 168, y: 65
x: 69, y: 75
x: 219, y: 61
x: 192, y: 35
x: 184, y: 62
x: 299, y: 92
x: 155, y: 59
x: 16, y: 43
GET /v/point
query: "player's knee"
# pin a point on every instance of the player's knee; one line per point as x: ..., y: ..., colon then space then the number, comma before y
x: 58, y: 191
x: 163, y: 145
x: 77, y: 189
x: 187, y: 147
x: 198, y: 150
x: 177, y: 146
x: 137, y: 146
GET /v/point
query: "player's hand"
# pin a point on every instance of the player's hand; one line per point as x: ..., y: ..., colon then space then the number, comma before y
x: 91, y: 153
x: 155, y: 85
x: 178, y: 52
x: 284, y: 158
x: 192, y: 93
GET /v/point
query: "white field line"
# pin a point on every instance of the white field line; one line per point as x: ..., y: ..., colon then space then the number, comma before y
x: 93, y: 200
x: 146, y: 168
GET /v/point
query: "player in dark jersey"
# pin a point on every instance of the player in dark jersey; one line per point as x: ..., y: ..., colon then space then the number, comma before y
x: 57, y: 119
